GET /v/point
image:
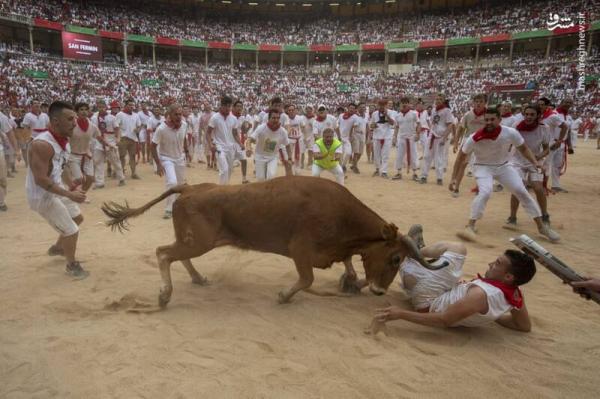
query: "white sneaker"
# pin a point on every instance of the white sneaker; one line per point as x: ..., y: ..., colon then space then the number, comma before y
x: 550, y: 234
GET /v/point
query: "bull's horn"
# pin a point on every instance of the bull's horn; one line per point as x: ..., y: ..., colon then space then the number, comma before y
x: 414, y: 253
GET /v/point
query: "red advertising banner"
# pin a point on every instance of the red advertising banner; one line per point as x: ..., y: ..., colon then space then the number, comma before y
x: 81, y: 47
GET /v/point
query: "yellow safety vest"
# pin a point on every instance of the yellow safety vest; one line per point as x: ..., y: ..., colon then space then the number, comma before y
x: 329, y: 161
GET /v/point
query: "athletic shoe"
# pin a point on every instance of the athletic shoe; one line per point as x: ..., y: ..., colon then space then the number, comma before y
x: 376, y: 173
x: 550, y: 234
x: 74, y: 269
x: 384, y: 175
x: 440, y: 182
x: 455, y: 194
x: 415, y: 177
x: 3, y: 208
x: 423, y: 180
x: 498, y: 188
x: 98, y: 187
x: 168, y: 215
x: 559, y: 190
x: 397, y: 177
x: 511, y: 221
x: 121, y: 183
x: 354, y: 168
x: 135, y: 177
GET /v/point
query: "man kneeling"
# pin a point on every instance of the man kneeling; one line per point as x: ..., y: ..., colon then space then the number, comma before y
x: 441, y: 300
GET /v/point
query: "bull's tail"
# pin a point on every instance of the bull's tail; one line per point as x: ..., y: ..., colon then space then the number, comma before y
x: 413, y: 252
x: 118, y: 214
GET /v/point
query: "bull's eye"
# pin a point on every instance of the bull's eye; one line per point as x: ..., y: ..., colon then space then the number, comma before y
x: 396, y: 260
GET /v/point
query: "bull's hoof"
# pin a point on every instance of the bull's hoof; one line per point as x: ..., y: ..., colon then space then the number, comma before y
x: 200, y: 280
x: 347, y: 284
x: 163, y: 299
x: 282, y: 298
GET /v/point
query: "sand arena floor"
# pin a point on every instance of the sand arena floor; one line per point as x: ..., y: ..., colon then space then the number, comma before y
x: 74, y: 339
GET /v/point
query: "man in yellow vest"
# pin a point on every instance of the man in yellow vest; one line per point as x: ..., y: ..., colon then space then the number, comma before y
x: 327, y: 152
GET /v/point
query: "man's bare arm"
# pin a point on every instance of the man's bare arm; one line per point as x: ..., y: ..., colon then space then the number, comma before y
x: 474, y: 302
x: 40, y: 156
x: 517, y: 319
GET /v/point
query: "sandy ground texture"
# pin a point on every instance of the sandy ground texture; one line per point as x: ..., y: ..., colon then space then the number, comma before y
x: 75, y: 339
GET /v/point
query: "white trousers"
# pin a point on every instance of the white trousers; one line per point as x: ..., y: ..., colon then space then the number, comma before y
x: 433, y: 154
x: 3, y: 180
x: 346, y: 150
x: 574, y: 138
x: 225, y: 160
x: 557, y: 159
x: 100, y: 158
x: 510, y: 179
x: 265, y: 170
x: 408, y: 148
x: 174, y: 176
x: 381, y: 153
x: 337, y: 172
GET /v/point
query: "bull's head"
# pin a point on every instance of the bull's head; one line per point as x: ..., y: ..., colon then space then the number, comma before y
x: 382, y: 258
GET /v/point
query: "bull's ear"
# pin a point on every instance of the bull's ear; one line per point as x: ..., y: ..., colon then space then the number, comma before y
x: 389, y: 231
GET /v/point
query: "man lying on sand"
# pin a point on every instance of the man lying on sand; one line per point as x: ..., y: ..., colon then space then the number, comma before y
x: 441, y: 300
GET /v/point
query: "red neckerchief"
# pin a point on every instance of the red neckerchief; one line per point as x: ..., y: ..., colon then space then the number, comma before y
x: 346, y: 115
x: 225, y: 115
x: 479, y: 113
x: 309, y: 117
x: 102, y: 115
x: 512, y: 294
x: 563, y: 111
x: 62, y: 141
x: 128, y: 112
x: 523, y: 127
x: 146, y: 113
x: 482, y: 134
x: 321, y: 119
x: 549, y: 111
x: 237, y: 115
x: 404, y: 113
x: 83, y: 124
x: 440, y: 107
x: 419, y: 113
x: 274, y: 127
x: 507, y: 115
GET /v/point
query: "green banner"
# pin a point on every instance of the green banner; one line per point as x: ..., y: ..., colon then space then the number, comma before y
x: 347, y: 47
x: 81, y: 29
x: 295, y: 47
x: 591, y: 78
x: 151, y: 83
x: 245, y: 46
x: 140, y: 38
x: 462, y: 41
x: 595, y: 25
x: 402, y: 45
x: 532, y: 34
x: 32, y: 73
x: 193, y: 43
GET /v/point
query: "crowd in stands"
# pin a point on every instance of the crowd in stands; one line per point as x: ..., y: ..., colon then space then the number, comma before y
x: 192, y: 84
x: 487, y: 18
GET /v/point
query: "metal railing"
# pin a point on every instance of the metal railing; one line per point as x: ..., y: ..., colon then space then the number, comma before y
x: 15, y: 18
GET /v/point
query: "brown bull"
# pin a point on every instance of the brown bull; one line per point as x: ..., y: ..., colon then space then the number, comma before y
x: 265, y: 217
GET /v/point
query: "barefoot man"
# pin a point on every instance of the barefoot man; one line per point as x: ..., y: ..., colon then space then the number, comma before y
x: 46, y: 192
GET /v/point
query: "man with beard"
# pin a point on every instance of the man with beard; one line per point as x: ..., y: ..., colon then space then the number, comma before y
x: 490, y: 146
x: 557, y: 129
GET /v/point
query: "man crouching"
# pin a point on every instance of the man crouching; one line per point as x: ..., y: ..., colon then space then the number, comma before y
x: 441, y: 300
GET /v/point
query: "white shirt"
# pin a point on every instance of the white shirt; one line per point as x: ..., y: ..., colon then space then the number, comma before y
x: 127, y: 125
x: 107, y: 126
x: 440, y: 120
x: 497, y: 304
x: 309, y: 127
x: 552, y: 123
x: 510, y: 121
x: 222, y: 134
x: 472, y: 122
x: 407, y: 124
x: 268, y: 142
x: 294, y: 127
x: 346, y: 125
x: 144, y: 119
x: 383, y: 129
x: 361, y: 130
x: 423, y: 119
x: 534, y: 141
x: 5, y: 127
x: 37, y: 123
x: 170, y: 141
x: 330, y: 122
x: 493, y: 152
x: 195, y: 122
x: 576, y: 124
